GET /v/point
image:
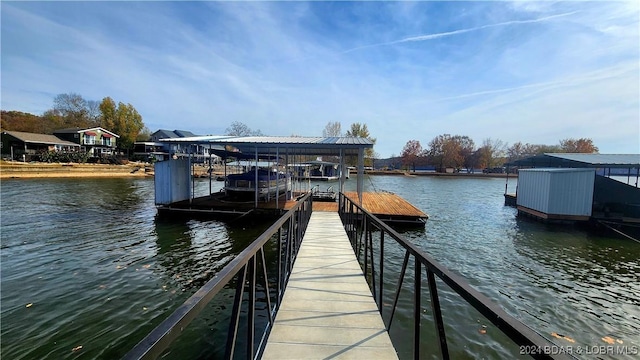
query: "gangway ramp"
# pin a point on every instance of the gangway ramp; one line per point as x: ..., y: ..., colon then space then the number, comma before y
x: 328, y: 311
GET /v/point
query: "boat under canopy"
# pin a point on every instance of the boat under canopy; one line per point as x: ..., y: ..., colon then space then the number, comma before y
x: 270, y: 184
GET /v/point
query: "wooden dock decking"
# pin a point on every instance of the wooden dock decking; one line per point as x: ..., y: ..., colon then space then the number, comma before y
x: 328, y: 310
x: 386, y: 206
x: 389, y: 207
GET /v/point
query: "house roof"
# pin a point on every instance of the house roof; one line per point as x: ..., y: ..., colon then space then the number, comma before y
x: 168, y: 134
x: 575, y: 160
x: 81, y: 130
x: 34, y: 138
x: 271, y: 145
x: 184, y: 133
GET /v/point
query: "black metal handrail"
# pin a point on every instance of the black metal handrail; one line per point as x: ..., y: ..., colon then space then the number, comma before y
x: 288, y: 230
x: 360, y: 226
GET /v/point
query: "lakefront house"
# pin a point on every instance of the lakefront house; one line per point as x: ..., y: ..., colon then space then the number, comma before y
x: 25, y: 146
x: 97, y: 141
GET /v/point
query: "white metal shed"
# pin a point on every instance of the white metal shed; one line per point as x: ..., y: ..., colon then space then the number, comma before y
x: 560, y: 193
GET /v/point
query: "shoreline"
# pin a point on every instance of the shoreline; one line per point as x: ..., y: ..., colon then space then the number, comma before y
x: 20, y: 170
x: 421, y: 173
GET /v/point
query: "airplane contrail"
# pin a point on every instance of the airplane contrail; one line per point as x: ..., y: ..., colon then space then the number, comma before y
x: 461, y: 31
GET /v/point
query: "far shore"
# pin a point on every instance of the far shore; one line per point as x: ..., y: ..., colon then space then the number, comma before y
x: 433, y: 173
x: 21, y: 170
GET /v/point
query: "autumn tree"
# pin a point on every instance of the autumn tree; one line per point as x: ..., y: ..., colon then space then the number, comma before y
x: 451, y: 151
x: 238, y: 128
x: 123, y: 120
x: 519, y: 150
x: 491, y: 153
x: 333, y: 129
x: 360, y: 130
x: 21, y: 121
x: 582, y: 145
x: 410, y: 153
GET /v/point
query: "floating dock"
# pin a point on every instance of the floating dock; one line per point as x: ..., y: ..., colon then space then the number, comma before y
x: 328, y: 310
x: 388, y: 207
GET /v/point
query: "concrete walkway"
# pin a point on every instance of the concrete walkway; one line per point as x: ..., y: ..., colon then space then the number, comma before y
x: 328, y: 311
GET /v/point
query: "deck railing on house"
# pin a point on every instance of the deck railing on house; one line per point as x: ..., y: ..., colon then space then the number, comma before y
x: 245, y: 270
x: 361, y: 226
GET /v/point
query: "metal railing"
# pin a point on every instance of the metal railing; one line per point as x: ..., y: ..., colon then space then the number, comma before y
x: 360, y: 226
x: 244, y: 269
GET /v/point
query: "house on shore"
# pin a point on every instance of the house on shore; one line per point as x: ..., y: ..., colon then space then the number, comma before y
x: 25, y: 146
x: 97, y: 141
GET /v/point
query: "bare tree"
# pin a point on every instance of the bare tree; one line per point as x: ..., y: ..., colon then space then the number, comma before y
x: 333, y: 129
x: 238, y: 128
x: 73, y: 109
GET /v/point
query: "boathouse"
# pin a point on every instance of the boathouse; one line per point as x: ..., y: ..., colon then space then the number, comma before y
x: 279, y: 188
x: 578, y: 187
x: 173, y: 185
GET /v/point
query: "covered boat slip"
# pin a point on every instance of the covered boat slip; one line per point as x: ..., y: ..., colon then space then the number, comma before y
x: 172, y: 181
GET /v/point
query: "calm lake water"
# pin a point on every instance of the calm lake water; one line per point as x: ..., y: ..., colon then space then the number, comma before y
x: 87, y: 270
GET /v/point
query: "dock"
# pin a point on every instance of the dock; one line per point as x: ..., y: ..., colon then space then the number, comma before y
x: 328, y: 310
x: 388, y: 207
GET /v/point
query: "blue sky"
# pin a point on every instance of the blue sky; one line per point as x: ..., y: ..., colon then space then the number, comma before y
x: 529, y: 71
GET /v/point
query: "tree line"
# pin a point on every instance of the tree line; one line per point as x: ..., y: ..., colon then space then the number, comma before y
x: 459, y: 151
x: 73, y: 111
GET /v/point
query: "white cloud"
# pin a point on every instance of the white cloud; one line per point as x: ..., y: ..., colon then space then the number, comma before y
x: 559, y: 68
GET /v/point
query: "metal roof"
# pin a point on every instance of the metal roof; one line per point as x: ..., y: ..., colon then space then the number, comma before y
x: 33, y: 138
x: 576, y: 160
x: 299, y: 145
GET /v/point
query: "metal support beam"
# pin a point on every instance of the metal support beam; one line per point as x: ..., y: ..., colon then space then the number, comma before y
x: 360, y: 184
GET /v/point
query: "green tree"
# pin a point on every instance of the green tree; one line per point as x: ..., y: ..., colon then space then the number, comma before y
x: 360, y: 130
x: 108, y: 111
x: 123, y: 120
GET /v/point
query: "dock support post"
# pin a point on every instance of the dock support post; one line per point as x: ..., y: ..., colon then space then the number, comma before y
x: 255, y: 203
x: 343, y: 175
x: 360, y: 184
x: 193, y: 178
